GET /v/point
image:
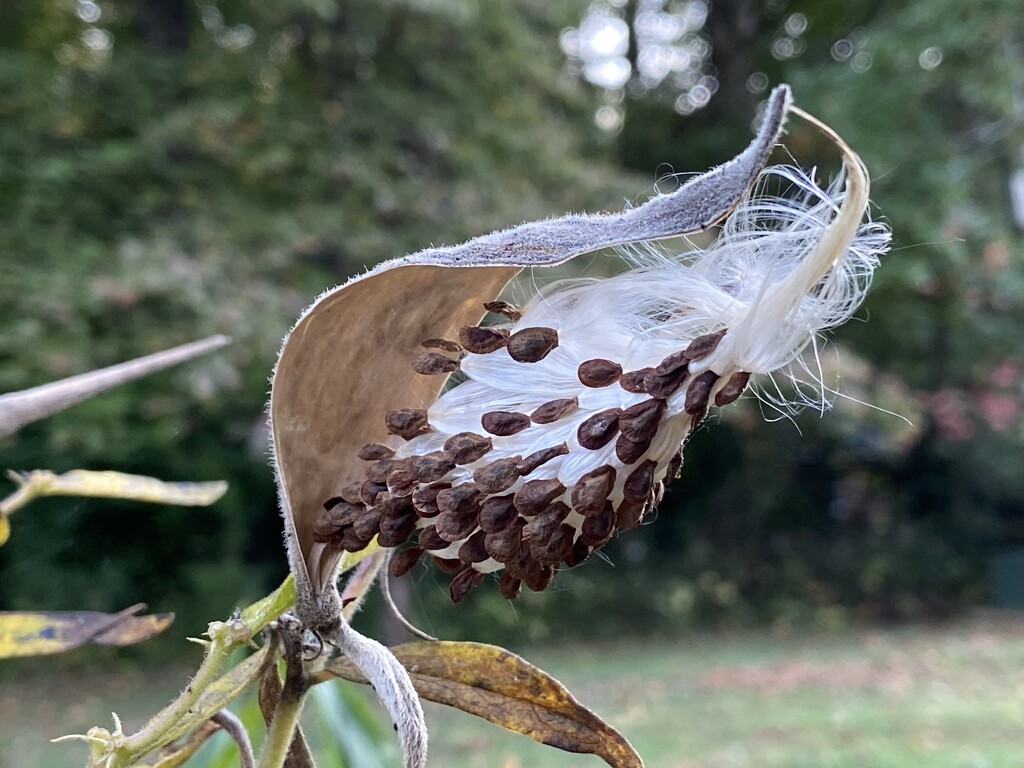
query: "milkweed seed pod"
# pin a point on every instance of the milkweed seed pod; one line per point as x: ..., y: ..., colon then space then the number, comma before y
x: 570, y: 414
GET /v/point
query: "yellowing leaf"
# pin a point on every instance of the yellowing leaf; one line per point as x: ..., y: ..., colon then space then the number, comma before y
x: 499, y: 686
x: 5, y: 529
x: 39, y: 634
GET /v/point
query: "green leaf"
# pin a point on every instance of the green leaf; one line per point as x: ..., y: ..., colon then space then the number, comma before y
x: 499, y: 686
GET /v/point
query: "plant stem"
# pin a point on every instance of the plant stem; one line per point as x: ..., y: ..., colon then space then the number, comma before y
x: 289, y: 706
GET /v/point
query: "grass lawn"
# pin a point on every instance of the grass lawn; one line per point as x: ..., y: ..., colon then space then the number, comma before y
x: 922, y: 697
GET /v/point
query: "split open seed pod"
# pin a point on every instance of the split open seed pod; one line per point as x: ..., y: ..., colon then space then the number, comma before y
x: 349, y: 359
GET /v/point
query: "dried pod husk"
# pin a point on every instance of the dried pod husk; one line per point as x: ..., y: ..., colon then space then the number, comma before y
x: 598, y: 527
x: 590, y: 494
x: 434, y: 364
x: 532, y: 345
x: 463, y: 582
x: 702, y: 346
x: 534, y: 496
x: 375, y: 452
x: 732, y: 389
x: 553, y: 410
x: 446, y: 345
x: 698, y: 392
x: 599, y: 430
x: 403, y: 561
x: 638, y: 484
x: 634, y: 381
x: 497, y: 513
x: 467, y: 447
x: 424, y: 499
x: 598, y: 373
x: 540, y: 458
x: 407, y: 422
x: 482, y: 340
x: 640, y: 422
x: 497, y: 476
x: 504, y: 423
x: 503, y: 308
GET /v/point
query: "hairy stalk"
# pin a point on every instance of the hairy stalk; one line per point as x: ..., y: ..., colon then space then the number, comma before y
x: 289, y: 705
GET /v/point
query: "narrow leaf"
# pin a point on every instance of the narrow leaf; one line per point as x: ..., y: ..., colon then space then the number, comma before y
x: 39, y: 634
x: 499, y: 686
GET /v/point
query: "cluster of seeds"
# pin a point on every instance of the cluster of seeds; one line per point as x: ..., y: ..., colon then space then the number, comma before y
x: 476, y: 507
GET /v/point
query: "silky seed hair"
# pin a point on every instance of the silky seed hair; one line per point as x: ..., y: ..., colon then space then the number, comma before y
x: 572, y: 411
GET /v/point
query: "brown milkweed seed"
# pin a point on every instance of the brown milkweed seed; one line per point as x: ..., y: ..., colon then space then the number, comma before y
x: 538, y: 579
x: 448, y: 565
x: 352, y: 542
x: 460, y: 501
x: 629, y: 452
x: 497, y: 476
x: 535, y: 495
x: 733, y: 388
x: 634, y: 381
x: 553, y: 410
x: 430, y: 467
x: 369, y: 491
x: 545, y: 523
x: 482, y: 340
x: 407, y: 422
x: 698, y: 391
x: 395, y: 530
x: 597, y: 529
x: 638, y: 484
x: 672, y: 363
x: 451, y: 527
x: 402, y: 562
x: 368, y: 524
x: 503, y: 308
x: 424, y: 499
x: 597, y: 431
x: 531, y: 345
x: 433, y: 363
x: 580, y: 552
x: 342, y: 514
x: 464, y: 582
x: 351, y: 493
x: 556, y: 547
x: 509, y: 586
x: 378, y: 471
x: 539, y: 458
x: 392, y: 504
x: 375, y: 451
x: 497, y: 513
x: 507, y: 544
x: 472, y: 549
x: 333, y: 501
x: 504, y: 423
x: 640, y: 422
x: 598, y: 372
x: 664, y: 386
x: 467, y: 447
x: 629, y: 514
x: 445, y: 344
x: 702, y: 346
x: 402, y: 482
x: 430, y: 540
x: 591, y: 491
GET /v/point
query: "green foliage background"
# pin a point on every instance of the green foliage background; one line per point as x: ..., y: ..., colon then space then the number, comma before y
x: 221, y: 164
